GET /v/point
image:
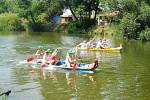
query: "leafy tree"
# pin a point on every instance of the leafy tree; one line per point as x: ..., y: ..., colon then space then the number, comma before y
x: 129, y: 26
x: 145, y: 34
x: 144, y: 16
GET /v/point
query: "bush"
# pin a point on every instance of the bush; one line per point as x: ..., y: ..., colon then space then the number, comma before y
x: 41, y: 18
x: 144, y: 16
x: 145, y: 35
x: 130, y: 6
x: 10, y: 22
x: 129, y: 26
x: 80, y: 26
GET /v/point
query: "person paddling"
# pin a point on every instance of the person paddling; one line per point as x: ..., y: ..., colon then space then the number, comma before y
x: 46, y: 57
x: 53, y: 59
x: 38, y: 56
x: 82, y: 45
x: 70, y: 58
x: 39, y: 53
x: 99, y: 44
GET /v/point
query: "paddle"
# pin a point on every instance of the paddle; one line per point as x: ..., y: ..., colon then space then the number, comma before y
x: 74, y: 67
x: 29, y: 59
x: 75, y: 54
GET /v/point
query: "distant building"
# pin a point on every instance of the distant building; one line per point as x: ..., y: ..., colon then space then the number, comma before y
x: 66, y: 16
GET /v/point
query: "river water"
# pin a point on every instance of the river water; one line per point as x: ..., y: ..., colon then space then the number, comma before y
x: 120, y: 76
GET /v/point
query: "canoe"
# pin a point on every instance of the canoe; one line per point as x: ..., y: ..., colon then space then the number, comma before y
x: 60, y: 65
x: 100, y: 49
x: 79, y: 70
x: 106, y: 49
x: 68, y: 67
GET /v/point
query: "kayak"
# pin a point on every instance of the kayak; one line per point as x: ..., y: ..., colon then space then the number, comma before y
x: 106, y: 49
x: 61, y: 65
x: 100, y: 49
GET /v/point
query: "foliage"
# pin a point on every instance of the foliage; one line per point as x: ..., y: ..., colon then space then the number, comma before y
x: 80, y: 26
x: 144, y: 17
x: 109, y: 5
x: 10, y: 22
x: 145, y: 34
x: 41, y: 18
x: 135, y: 19
x: 130, y: 6
x: 82, y: 8
x: 25, y: 24
x: 129, y: 26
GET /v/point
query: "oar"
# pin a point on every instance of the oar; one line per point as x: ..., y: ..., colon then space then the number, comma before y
x: 75, y: 54
x: 6, y: 93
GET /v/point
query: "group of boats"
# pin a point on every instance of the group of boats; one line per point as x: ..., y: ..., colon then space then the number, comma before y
x: 78, y: 67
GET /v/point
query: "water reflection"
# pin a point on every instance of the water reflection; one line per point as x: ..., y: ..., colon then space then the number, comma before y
x: 66, y: 83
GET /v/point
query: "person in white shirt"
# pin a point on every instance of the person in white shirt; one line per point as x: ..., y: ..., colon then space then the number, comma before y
x: 99, y: 44
x: 46, y: 57
x: 82, y: 45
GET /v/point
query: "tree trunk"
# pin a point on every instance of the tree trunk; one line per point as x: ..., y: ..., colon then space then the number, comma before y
x: 74, y: 16
x: 89, y: 14
x: 95, y: 14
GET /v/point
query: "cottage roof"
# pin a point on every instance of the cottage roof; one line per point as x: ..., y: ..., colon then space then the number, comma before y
x: 66, y: 13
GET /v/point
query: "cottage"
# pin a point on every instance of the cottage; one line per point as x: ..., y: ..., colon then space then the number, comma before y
x: 66, y: 16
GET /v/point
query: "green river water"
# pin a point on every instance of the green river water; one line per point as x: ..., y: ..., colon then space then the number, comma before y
x: 120, y: 76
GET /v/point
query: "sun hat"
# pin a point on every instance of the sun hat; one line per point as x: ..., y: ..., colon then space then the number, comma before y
x: 48, y: 50
x: 84, y: 41
x: 70, y: 51
x: 40, y: 47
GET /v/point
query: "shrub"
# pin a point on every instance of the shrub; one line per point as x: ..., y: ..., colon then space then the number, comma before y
x: 10, y: 22
x: 129, y: 26
x: 130, y: 6
x: 41, y: 18
x: 144, y: 16
x: 80, y: 26
x: 145, y: 34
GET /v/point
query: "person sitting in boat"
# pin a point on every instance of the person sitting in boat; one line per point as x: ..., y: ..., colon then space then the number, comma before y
x: 91, y: 66
x: 89, y: 44
x: 39, y: 53
x: 46, y: 57
x: 53, y: 59
x: 70, y: 58
x: 99, y: 44
x: 105, y: 43
x: 82, y: 45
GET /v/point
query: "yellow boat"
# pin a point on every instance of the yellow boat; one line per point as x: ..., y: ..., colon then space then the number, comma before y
x: 105, y: 49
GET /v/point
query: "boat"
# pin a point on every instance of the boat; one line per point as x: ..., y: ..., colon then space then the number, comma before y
x: 60, y: 65
x: 78, y: 69
x: 105, y: 49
